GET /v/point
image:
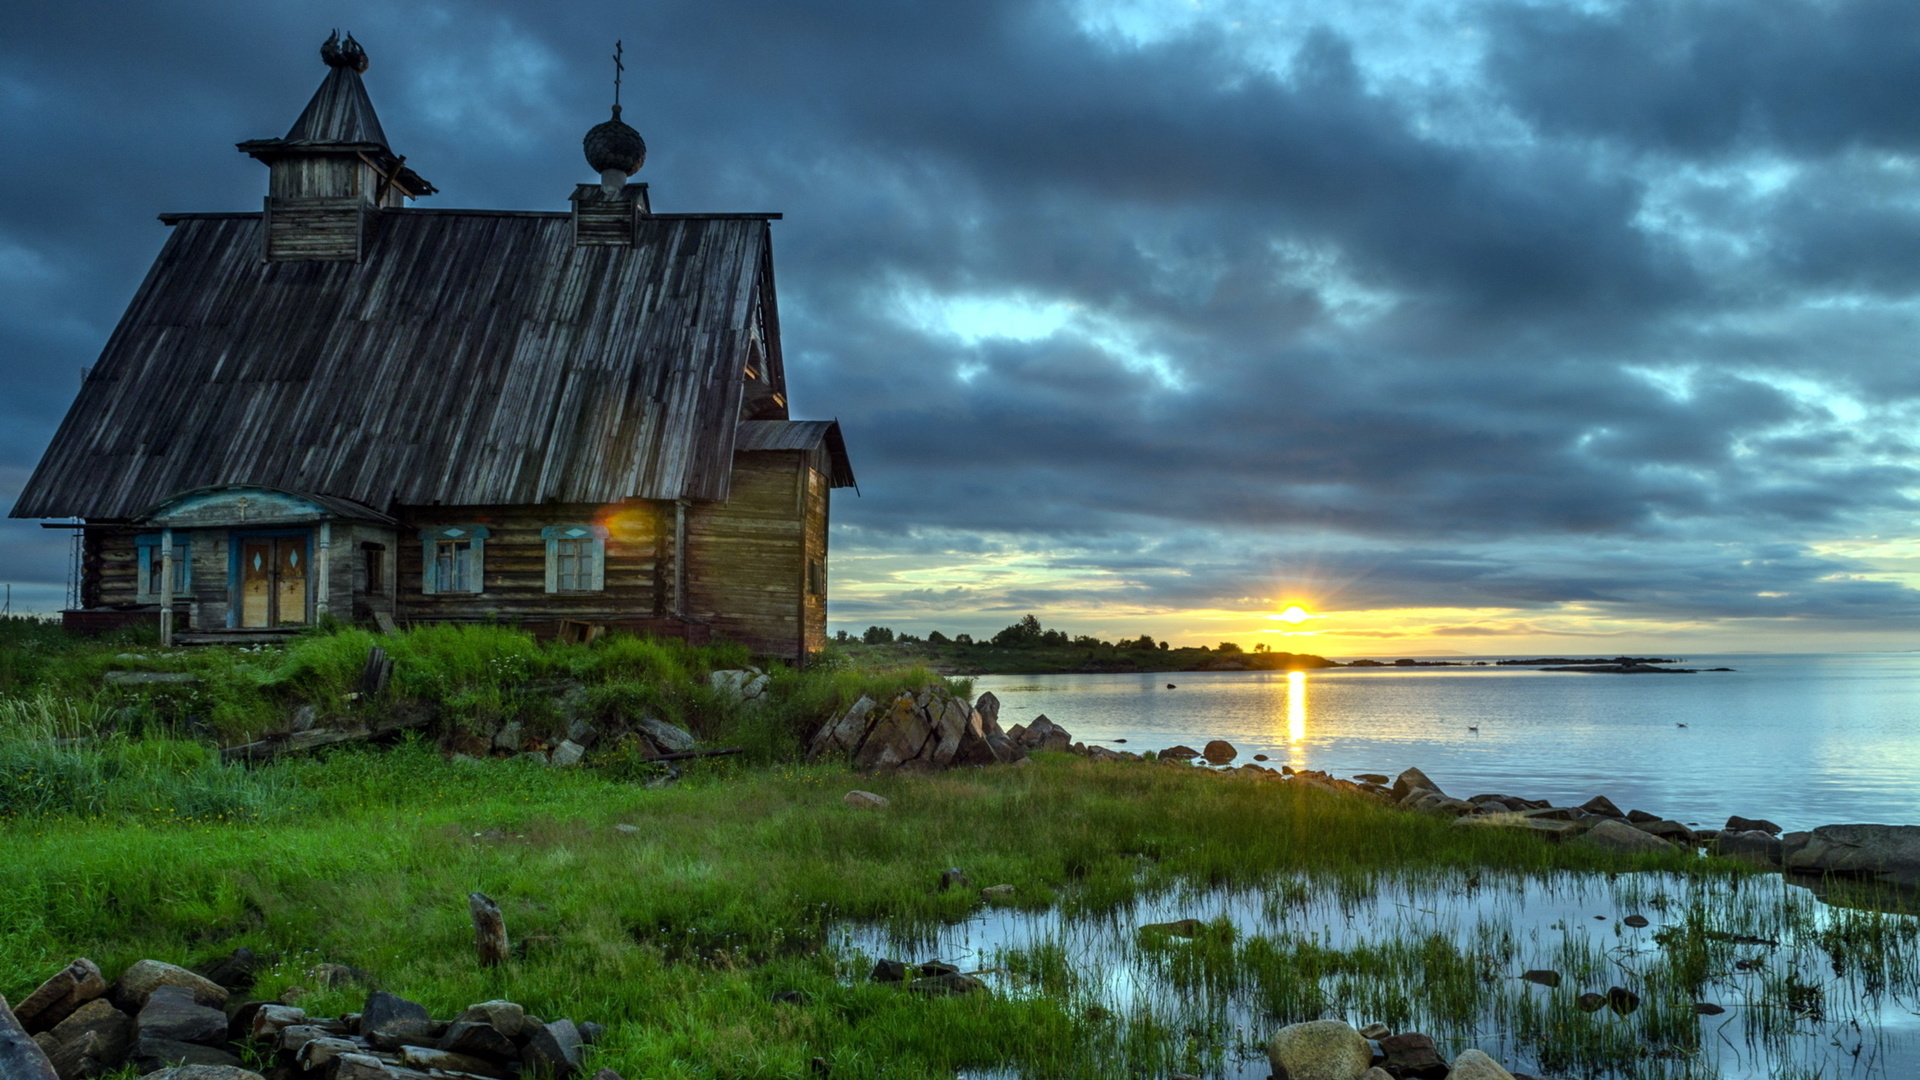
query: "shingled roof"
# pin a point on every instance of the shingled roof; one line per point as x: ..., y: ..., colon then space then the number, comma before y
x: 472, y: 358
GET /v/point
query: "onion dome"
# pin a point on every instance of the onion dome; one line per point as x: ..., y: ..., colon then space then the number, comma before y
x: 615, y: 151
x: 344, y: 54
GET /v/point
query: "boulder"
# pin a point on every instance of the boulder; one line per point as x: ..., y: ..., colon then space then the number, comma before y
x: 1044, y: 734
x: 1749, y: 846
x: 1375, y: 1032
x: 1409, y: 780
x: 504, y: 1017
x: 511, y: 737
x: 203, y: 1072
x: 666, y: 737
x: 583, y: 732
x: 837, y: 738
x: 1736, y: 823
x: 892, y: 971
x: 151, y: 1054
x: 471, y: 1039
x: 996, y: 893
x: 143, y: 978
x: 1640, y: 817
x: 317, y: 1053
x: 1620, y: 837
x: 1666, y: 830
x: 1474, y: 1065
x: 387, y: 1012
x: 553, y: 1049
x: 110, y: 1030
x: 234, y: 971
x: 567, y: 753
x: 1793, y: 842
x: 864, y: 800
x: 77, y: 1059
x: 360, y: 1067
x: 1219, y: 752
x: 426, y: 1059
x: 173, y: 1014
x: 1542, y: 976
x: 1603, y: 806
x: 58, y: 997
x: 1413, y: 1055
x: 1319, y: 1050
x: 897, y: 737
x: 294, y: 1038
x: 739, y: 684
x: 1888, y: 854
x: 1179, y: 752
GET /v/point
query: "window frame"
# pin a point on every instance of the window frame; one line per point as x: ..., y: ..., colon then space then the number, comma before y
x: 594, y: 540
x: 475, y: 537
x: 147, y: 556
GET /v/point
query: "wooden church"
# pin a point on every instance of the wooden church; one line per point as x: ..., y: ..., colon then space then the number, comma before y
x: 341, y: 405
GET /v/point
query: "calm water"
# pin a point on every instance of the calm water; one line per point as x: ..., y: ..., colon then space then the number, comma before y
x: 1802, y: 740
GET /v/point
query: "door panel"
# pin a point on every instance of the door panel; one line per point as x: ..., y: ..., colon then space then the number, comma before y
x: 256, y: 583
x: 290, y: 581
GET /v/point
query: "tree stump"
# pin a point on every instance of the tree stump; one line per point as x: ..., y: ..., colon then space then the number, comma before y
x: 489, y: 930
x: 20, y: 1057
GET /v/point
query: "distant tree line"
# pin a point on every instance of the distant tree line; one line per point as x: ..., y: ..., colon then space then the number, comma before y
x: 1029, y: 634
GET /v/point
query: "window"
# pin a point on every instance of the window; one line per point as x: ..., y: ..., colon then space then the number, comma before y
x: 374, y: 558
x: 576, y: 557
x: 151, y: 560
x: 454, y: 559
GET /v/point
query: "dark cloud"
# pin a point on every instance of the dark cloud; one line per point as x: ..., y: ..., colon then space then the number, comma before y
x: 1176, y: 323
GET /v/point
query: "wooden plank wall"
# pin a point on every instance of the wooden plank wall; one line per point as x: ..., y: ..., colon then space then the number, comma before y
x: 515, y: 571
x: 814, y: 613
x: 746, y: 557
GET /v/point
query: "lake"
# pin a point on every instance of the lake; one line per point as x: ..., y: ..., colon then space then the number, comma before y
x: 1800, y: 740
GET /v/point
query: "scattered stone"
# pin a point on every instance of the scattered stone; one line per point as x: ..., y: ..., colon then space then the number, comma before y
x: 1545, y: 827
x: 1620, y: 837
x: 477, y: 1039
x: 75, y: 1059
x: 1638, y: 922
x: 864, y: 800
x: 1542, y: 977
x: 335, y: 976
x: 1375, y: 1032
x: 1736, y: 823
x: 511, y: 737
x: 1259, y: 757
x: 1636, y: 817
x: 387, y: 1012
x: 670, y: 739
x: 996, y: 893
x: 151, y: 1054
x: 234, y: 971
x: 1591, y: 1002
x: 1319, y: 1050
x: 892, y: 971
x: 1370, y: 777
x: 1475, y: 1065
x: 424, y: 1059
x: 268, y: 1020
x: 566, y: 754
x: 1178, y: 752
x: 1667, y: 830
x: 1413, y: 1054
x: 954, y: 878
x: 504, y: 1017
x: 360, y: 1067
x: 1603, y: 806
x: 738, y: 685
x: 1219, y: 752
x: 1411, y: 780
x: 1707, y: 1008
x: 1375, y: 1073
x: 792, y: 997
x: 59, y: 997
x: 174, y: 1014
x: 1622, y: 1000
x: 583, y: 732
x: 553, y: 1049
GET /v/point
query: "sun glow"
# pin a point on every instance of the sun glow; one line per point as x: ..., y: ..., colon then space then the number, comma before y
x: 1295, y: 615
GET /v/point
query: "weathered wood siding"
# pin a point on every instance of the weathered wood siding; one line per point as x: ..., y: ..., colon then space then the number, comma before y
x: 300, y: 229
x: 514, y: 570
x: 746, y: 557
x: 112, y: 562
x: 814, y: 612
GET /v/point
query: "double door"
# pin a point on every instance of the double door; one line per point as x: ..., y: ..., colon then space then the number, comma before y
x: 273, y: 581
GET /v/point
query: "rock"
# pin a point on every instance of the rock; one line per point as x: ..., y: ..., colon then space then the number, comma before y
x: 947, y: 984
x: 143, y: 978
x: 1889, y: 854
x: 670, y: 739
x: 1553, y: 813
x: 1263, y: 757
x: 399, y: 1033
x: 76, y: 1059
x: 234, y: 971
x: 317, y: 1053
x: 1376, y: 1073
x: 173, y: 1014
x: 1753, y: 846
x: 477, y: 1039
x: 1183, y: 928
x: 837, y: 738
x: 360, y: 1067
x: 268, y: 1021
x: 996, y: 893
x: 1708, y: 1008
x: 1617, y: 836
x: 112, y: 1030
x: 1591, y: 1002
x: 1736, y: 823
x: 151, y: 1054
x: 1179, y: 753
x: 1667, y: 830
x: 335, y: 976
x: 1365, y: 777
x: 511, y: 737
x: 1407, y: 781
x: 1603, y: 806
x: 892, y: 971
x: 1044, y: 734
x: 738, y: 685
x: 986, y: 708
x: 553, y: 1049
x: 628, y: 830
x: 1638, y: 922
x: 59, y: 997
x: 896, y: 737
x: 1542, y: 977
x: 567, y: 753
x: 583, y: 732
x: 203, y: 1072
x: 1543, y: 827
x: 425, y: 1059
x: 1622, y: 1000
x: 1219, y: 751
x: 591, y: 1033
x: 1793, y: 842
x: 504, y: 1017
x: 1474, y: 1065
x: 954, y: 878
x: 1413, y: 1054
x: 385, y: 1012
x: 1319, y: 1050
x: 864, y: 800
x: 1637, y: 817
x: 1376, y: 1032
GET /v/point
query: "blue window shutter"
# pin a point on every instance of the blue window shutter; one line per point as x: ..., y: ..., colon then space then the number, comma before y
x: 599, y: 556
x: 553, y: 564
x: 479, y: 580
x: 429, y: 558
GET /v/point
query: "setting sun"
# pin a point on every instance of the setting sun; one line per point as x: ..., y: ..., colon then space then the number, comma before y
x: 1295, y: 615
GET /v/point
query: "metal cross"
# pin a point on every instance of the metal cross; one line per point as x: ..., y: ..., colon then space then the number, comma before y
x: 619, y: 50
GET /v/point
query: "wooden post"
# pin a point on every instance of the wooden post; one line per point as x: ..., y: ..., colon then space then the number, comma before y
x: 323, y: 566
x: 680, y: 557
x: 166, y: 587
x: 20, y: 1057
x: 489, y: 930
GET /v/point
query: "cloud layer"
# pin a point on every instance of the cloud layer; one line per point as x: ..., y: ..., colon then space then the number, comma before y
x: 1593, y: 316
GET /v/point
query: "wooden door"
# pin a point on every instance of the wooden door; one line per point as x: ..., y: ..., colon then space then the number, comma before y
x: 290, y: 581
x: 256, y: 583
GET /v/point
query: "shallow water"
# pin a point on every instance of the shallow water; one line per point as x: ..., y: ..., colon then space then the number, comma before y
x: 1835, y: 997
x: 1800, y: 740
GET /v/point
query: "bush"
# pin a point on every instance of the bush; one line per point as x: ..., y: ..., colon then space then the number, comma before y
x: 877, y: 635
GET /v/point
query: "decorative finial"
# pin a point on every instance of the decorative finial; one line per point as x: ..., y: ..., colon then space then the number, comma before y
x: 615, y: 150
x: 346, y: 54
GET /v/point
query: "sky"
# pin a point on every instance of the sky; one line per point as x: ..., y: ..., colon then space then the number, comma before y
x: 1488, y: 328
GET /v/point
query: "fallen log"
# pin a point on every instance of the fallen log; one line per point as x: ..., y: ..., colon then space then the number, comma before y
x: 686, y: 755
x: 268, y: 749
x: 489, y: 930
x: 20, y: 1057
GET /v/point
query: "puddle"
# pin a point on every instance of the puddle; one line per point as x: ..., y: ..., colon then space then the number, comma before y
x: 1807, y: 989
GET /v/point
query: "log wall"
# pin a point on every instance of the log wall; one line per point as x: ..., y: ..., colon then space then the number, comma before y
x: 746, y: 557
x: 514, y: 564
